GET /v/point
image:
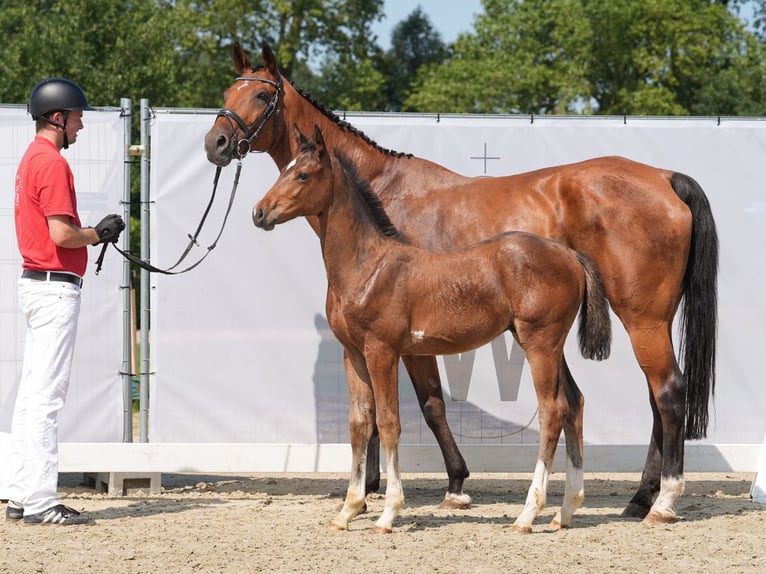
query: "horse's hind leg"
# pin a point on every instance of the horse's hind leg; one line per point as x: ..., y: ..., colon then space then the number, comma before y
x: 424, y: 374
x: 574, y: 488
x: 664, y: 464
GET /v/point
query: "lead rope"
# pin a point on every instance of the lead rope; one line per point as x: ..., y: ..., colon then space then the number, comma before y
x: 192, y: 238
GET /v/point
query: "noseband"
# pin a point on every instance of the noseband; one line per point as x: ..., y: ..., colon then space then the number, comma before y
x: 251, y: 132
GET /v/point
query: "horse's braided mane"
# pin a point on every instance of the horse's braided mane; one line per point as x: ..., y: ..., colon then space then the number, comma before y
x: 369, y: 198
x: 343, y: 125
x: 347, y: 127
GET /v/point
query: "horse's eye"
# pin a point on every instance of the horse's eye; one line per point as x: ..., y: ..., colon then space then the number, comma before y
x: 264, y: 97
x: 302, y: 176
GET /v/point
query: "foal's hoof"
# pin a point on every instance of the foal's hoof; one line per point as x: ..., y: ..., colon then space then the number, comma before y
x: 556, y: 525
x: 661, y: 517
x: 634, y: 510
x: 337, y: 527
x: 381, y: 530
x: 455, y: 501
x: 522, y: 529
x: 362, y: 510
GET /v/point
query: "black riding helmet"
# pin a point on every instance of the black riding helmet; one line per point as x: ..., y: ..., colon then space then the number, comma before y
x: 53, y: 95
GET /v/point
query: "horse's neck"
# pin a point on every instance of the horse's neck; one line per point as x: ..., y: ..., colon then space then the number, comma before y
x: 301, y: 111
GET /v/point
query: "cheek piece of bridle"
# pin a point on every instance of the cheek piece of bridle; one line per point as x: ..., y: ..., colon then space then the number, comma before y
x: 250, y: 132
x: 243, y: 147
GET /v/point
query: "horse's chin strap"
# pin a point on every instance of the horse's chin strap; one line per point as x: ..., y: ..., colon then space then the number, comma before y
x: 252, y: 131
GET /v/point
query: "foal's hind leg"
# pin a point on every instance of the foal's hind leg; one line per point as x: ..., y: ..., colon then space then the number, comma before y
x: 424, y: 373
x: 574, y: 490
x: 553, y: 411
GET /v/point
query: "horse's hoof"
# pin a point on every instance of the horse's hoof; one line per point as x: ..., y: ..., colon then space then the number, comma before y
x: 372, y: 487
x: 455, y: 501
x: 522, y: 529
x: 380, y: 530
x: 337, y: 527
x: 634, y: 510
x: 657, y: 517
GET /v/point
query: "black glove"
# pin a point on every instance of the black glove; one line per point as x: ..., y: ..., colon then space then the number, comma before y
x: 109, y: 228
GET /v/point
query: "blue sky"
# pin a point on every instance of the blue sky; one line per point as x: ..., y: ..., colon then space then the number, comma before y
x: 449, y: 18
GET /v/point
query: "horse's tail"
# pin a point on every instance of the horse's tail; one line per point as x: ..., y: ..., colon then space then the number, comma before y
x: 595, y: 329
x: 699, y: 319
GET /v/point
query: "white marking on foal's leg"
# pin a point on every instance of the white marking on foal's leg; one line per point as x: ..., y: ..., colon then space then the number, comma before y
x: 355, y: 495
x: 574, y: 494
x: 663, y: 510
x: 394, y: 495
x: 535, y: 499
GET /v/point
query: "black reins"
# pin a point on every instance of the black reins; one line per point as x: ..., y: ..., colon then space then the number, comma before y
x: 242, y: 149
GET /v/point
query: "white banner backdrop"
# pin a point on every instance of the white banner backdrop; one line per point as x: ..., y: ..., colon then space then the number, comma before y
x: 241, y: 350
x: 93, y: 412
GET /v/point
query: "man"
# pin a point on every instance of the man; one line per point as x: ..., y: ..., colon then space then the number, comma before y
x: 53, y: 246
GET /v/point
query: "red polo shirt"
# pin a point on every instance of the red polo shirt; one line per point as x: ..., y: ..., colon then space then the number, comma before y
x: 45, y: 187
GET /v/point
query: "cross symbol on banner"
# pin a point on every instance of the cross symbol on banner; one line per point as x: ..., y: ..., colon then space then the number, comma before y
x: 485, y: 157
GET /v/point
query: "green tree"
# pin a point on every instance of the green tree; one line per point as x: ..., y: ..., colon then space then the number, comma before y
x: 112, y: 48
x: 528, y: 57
x: 668, y: 57
x: 414, y: 43
x: 650, y: 57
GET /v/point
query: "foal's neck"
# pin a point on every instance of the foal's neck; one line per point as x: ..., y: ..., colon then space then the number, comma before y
x: 353, y: 238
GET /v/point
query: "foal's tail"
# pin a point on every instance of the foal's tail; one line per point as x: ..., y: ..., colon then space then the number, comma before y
x: 595, y: 330
x: 699, y: 318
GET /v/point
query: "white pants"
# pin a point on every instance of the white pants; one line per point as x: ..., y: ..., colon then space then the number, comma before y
x: 51, y: 310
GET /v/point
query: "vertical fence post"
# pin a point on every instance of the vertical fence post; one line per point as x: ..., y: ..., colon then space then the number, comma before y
x: 145, y: 305
x: 127, y: 323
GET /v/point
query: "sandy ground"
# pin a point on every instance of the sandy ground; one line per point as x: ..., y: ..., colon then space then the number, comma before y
x: 279, y: 523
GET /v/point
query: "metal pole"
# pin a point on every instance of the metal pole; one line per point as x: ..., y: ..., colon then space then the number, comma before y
x: 145, y: 307
x: 127, y: 323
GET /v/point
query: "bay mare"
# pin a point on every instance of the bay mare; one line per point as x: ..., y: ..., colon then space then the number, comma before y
x: 393, y: 299
x: 651, y: 232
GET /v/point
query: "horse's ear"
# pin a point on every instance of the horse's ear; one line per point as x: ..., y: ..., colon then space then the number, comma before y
x: 269, y: 60
x: 319, y: 141
x: 241, y: 63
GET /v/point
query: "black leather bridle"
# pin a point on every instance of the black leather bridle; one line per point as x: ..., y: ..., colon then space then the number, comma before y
x: 250, y: 132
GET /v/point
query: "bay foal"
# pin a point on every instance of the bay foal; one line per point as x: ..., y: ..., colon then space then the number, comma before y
x: 390, y: 299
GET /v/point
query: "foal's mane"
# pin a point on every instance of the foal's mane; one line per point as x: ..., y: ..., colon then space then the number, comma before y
x: 342, y: 124
x: 369, y: 199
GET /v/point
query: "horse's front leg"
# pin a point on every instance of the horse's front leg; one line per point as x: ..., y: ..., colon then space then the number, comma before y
x: 574, y: 488
x: 424, y: 374
x: 360, y: 418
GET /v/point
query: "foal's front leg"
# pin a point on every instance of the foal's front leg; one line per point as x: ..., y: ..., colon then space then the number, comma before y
x: 360, y: 418
x: 382, y: 364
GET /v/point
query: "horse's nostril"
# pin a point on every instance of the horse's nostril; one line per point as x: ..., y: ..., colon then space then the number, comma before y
x: 222, y: 141
x: 258, y: 216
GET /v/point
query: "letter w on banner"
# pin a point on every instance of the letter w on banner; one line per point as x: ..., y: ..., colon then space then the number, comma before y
x: 508, y: 367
